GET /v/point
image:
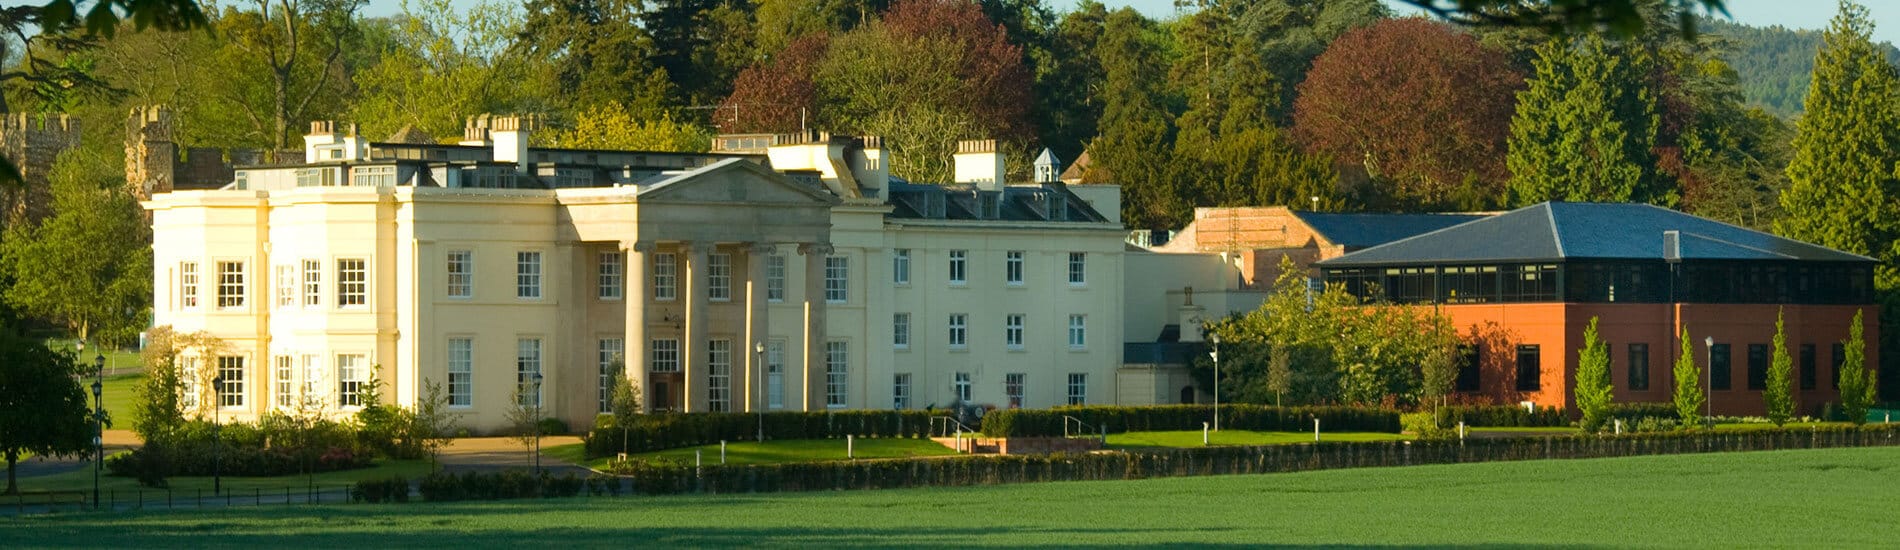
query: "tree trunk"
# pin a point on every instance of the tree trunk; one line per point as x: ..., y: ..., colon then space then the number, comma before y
x: 13, y: 458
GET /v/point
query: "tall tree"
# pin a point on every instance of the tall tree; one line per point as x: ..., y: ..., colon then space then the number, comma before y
x: 87, y: 266
x: 1616, y: 17
x: 1585, y: 127
x: 1289, y: 34
x: 1067, y: 83
x: 613, y: 127
x: 446, y: 64
x: 1132, y: 145
x: 1688, y: 376
x: 779, y: 95
x: 42, y: 408
x: 1592, y: 386
x: 286, y: 56
x: 595, y: 52
x: 1778, y: 397
x: 1857, y: 382
x: 1420, y: 107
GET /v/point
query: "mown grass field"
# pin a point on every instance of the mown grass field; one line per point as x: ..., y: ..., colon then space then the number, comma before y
x: 1809, y: 499
x: 1236, y: 437
x: 773, y: 452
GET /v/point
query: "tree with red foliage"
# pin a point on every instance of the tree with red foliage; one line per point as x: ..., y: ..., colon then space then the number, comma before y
x: 1424, y: 107
x: 776, y: 95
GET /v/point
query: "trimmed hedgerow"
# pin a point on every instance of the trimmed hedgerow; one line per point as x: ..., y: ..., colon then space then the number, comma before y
x: 1265, y: 418
x: 1501, y: 416
x: 655, y: 432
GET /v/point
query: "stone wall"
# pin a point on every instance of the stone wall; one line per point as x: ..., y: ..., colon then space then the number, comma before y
x: 33, y: 143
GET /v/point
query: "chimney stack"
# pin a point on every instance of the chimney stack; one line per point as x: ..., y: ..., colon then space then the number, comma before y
x: 510, y: 134
x: 981, y: 163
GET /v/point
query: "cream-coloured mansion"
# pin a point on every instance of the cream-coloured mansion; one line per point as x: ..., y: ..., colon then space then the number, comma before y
x: 776, y: 273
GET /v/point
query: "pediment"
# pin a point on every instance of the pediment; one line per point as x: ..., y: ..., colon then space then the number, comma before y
x: 734, y: 181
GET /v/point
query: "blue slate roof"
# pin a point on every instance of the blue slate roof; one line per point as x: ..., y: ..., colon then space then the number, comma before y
x: 1558, y: 231
x: 1356, y: 231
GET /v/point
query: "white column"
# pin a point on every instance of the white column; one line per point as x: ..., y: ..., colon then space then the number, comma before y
x: 756, y: 333
x: 814, y: 371
x: 698, y: 322
x: 633, y: 295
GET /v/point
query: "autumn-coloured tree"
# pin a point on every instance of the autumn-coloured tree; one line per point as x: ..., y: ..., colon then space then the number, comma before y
x: 1422, y: 106
x: 777, y: 95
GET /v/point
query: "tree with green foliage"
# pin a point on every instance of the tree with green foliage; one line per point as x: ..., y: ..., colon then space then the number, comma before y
x: 282, y: 63
x: 612, y: 126
x: 43, y: 409
x: 1135, y: 132
x: 1592, y: 388
x: 1857, y: 382
x: 1779, y: 396
x: 87, y: 266
x: 1561, y: 17
x: 159, y: 411
x: 446, y: 63
x: 594, y: 52
x: 1688, y: 375
x: 626, y: 399
x: 1585, y: 126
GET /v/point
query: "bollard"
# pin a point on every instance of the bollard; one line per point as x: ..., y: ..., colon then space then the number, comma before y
x: 696, y: 458
x: 722, y: 451
x: 1316, y: 430
x: 849, y: 447
x: 1461, y: 430
x: 1203, y: 434
x: 1619, y: 426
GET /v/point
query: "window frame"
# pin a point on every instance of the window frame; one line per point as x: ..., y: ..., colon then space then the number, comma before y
x: 1078, y: 269
x: 959, y: 331
x: 607, y: 352
x: 1013, y: 331
x: 900, y: 267
x: 283, y: 380
x: 1534, y: 368
x: 837, y: 374
x: 528, y: 275
x: 1013, y: 268
x: 530, y: 353
x: 230, y: 394
x: 665, y: 279
x: 719, y: 276
x: 459, y: 265
x: 610, y: 275
x: 1078, y: 332
x: 461, y: 372
x: 663, y: 352
x: 1078, y: 388
x: 286, y: 275
x: 351, y: 379
x: 1638, y: 368
x: 959, y: 267
x: 961, y: 387
x: 837, y: 279
x: 1015, y: 386
x: 900, y: 391
x: 312, y: 283
x: 188, y: 297
x: 346, y: 288
x: 900, y: 330
x: 719, y: 375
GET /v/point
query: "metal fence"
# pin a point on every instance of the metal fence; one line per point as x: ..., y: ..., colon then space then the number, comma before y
x: 170, y: 499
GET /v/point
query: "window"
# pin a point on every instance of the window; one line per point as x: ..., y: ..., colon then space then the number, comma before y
x: 373, y: 176
x: 1808, y: 377
x: 461, y: 270
x: 528, y: 370
x: 188, y: 284
x: 837, y: 268
x: 1078, y: 332
x: 1639, y: 367
x: 664, y: 355
x: 775, y: 375
x: 610, y: 274
x: 528, y: 275
x: 281, y: 380
x: 188, y: 372
x: 286, y: 286
x: 719, y: 277
x: 1078, y: 268
x: 1078, y: 388
x: 961, y: 387
x: 1530, y: 368
x: 230, y: 284
x: 461, y: 372
x: 312, y: 283
x: 775, y: 278
x: 900, y: 330
x: 1719, y: 368
x: 351, y: 374
x: 836, y: 369
x: 312, y: 382
x: 1757, y: 367
x: 607, y: 355
x: 957, y: 260
x: 665, y: 276
x: 352, y: 282
x: 1469, y: 368
x: 1013, y: 267
x: 1013, y: 331
x: 231, y: 389
x: 719, y: 375
x: 900, y: 266
x: 900, y: 391
x: 1840, y: 356
x: 1013, y: 388
x: 958, y: 329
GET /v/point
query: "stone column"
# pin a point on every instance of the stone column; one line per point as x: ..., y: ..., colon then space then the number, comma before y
x: 756, y: 333
x: 634, y: 298
x: 813, y: 377
x: 698, y: 322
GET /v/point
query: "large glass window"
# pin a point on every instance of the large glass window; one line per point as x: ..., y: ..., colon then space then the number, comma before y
x: 1078, y: 388
x: 775, y: 278
x: 1639, y: 367
x: 231, y: 390
x: 312, y: 283
x: 1470, y: 284
x: 461, y: 271
x: 900, y: 330
x: 281, y: 381
x: 719, y: 375
x: 1469, y: 373
x: 1013, y: 267
x: 1411, y: 284
x: 610, y: 274
x: 719, y: 277
x: 528, y: 275
x: 352, y: 373
x: 960, y: 387
x: 900, y: 266
x: 837, y: 279
x: 664, y: 355
x: 1757, y: 367
x: 958, y: 259
x: 527, y: 369
x: 1530, y: 368
x: 461, y: 372
x: 900, y: 391
x: 352, y: 282
x: 837, y: 370
x: 1529, y: 283
x: 1013, y: 331
x: 959, y: 329
x: 665, y: 276
x: 187, y: 284
x: 1078, y: 268
x: 775, y: 375
x: 230, y: 285
x: 1078, y: 332
x: 1013, y: 388
x: 1719, y: 368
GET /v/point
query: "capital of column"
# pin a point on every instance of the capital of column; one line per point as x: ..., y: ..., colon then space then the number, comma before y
x: 641, y: 246
x: 760, y: 248
x: 816, y: 249
x: 690, y: 247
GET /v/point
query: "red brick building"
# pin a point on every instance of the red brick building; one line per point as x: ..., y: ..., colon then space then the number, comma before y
x: 1521, y: 286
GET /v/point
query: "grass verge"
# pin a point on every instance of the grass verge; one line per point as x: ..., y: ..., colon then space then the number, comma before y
x: 1237, y: 437
x: 773, y: 452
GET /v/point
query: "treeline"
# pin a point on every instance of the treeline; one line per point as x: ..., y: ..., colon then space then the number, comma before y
x: 1774, y: 62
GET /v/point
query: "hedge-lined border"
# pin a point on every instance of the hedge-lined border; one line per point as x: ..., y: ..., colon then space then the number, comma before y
x: 1266, y: 418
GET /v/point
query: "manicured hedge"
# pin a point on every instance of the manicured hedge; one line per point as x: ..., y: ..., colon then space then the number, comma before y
x: 668, y: 431
x: 667, y: 478
x: 508, y: 484
x: 1501, y: 416
x: 1048, y: 422
x: 1630, y: 413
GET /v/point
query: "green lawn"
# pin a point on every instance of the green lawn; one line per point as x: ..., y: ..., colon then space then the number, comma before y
x: 119, y: 392
x: 1809, y: 499
x: 1522, y: 429
x: 775, y: 452
x: 116, y: 359
x: 1237, y: 437
x: 81, y: 480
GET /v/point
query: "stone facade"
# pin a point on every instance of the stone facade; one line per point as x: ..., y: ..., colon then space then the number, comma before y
x: 33, y: 142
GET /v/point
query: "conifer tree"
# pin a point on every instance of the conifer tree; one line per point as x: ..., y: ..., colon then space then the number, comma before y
x: 1592, y: 386
x: 1857, y: 381
x: 1585, y: 127
x: 1779, y: 395
x: 1688, y: 377
x: 1135, y: 129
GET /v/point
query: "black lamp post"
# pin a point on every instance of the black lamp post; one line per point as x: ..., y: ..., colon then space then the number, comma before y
x: 537, y: 424
x: 98, y: 423
x: 217, y: 435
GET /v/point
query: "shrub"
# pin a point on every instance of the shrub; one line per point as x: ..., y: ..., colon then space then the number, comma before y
x: 277, y: 446
x: 395, y: 489
x: 505, y: 484
x: 1049, y: 422
x: 653, y: 432
x: 1501, y: 416
x: 553, y: 426
x: 1425, y: 426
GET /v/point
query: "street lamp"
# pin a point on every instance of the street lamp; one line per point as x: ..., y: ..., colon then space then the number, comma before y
x: 758, y: 358
x: 1708, y: 404
x: 1216, y: 355
x: 537, y: 424
x: 98, y: 423
x: 217, y: 434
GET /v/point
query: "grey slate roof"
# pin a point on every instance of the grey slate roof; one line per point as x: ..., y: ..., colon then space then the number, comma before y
x: 1558, y: 231
x: 1356, y: 231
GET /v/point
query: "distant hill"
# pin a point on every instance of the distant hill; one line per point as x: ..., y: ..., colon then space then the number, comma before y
x: 1774, y: 62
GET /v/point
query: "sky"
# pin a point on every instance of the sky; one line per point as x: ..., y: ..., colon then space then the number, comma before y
x: 1800, y: 14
